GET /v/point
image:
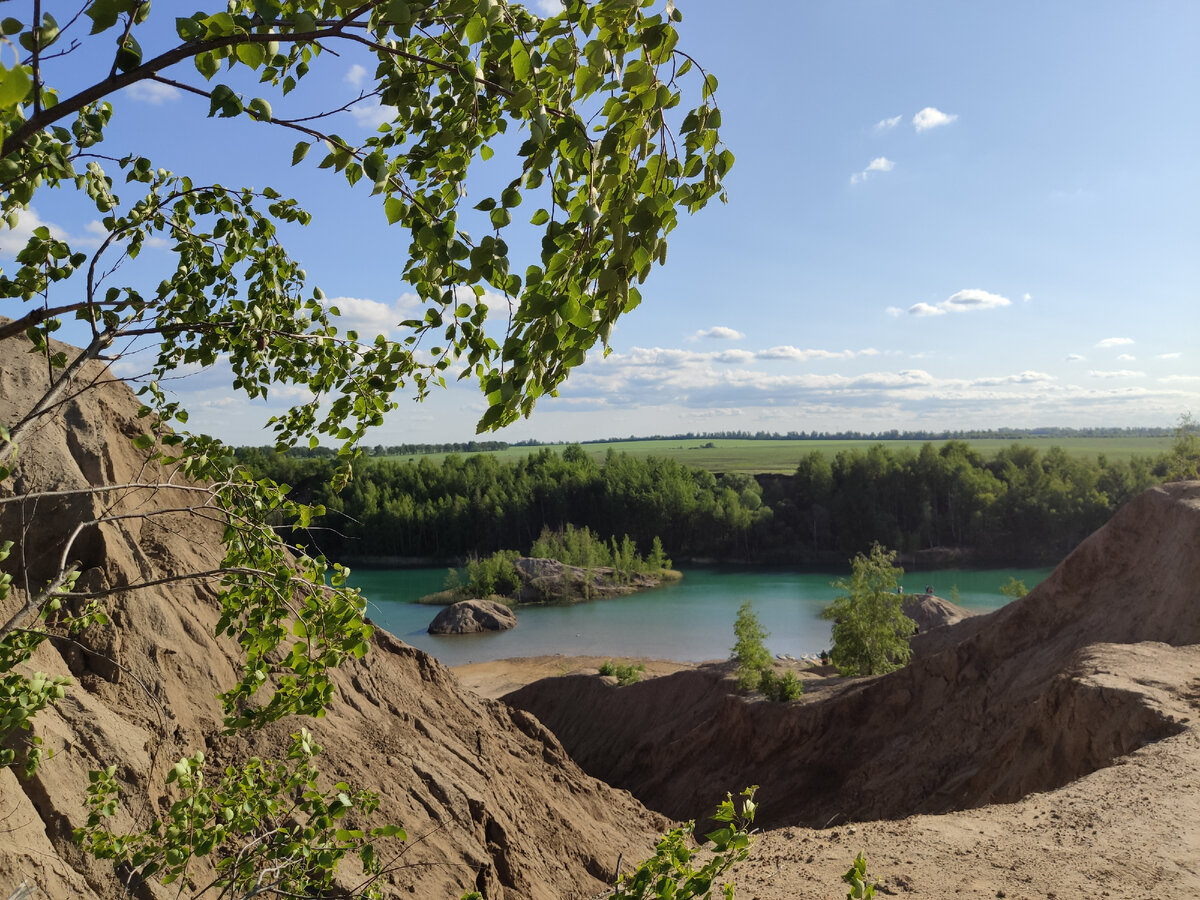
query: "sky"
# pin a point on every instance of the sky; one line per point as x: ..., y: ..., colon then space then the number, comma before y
x: 943, y: 215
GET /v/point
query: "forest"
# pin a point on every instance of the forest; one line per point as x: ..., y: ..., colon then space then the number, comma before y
x: 1019, y: 505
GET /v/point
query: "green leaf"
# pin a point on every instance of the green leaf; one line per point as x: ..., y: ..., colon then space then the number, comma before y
x: 300, y: 151
x: 260, y: 109
x: 250, y: 54
x: 14, y: 86
x: 521, y: 65
x: 393, y: 208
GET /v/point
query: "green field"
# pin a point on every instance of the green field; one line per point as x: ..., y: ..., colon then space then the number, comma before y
x: 753, y: 457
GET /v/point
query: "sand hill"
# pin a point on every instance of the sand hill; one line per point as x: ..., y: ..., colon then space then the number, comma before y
x: 495, y: 801
x: 1046, y: 750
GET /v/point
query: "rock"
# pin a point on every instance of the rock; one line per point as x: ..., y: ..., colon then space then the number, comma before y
x: 472, y: 617
x: 550, y: 581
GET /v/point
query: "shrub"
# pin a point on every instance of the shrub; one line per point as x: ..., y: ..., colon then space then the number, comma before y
x: 625, y: 673
x: 780, y: 688
x: 495, y: 574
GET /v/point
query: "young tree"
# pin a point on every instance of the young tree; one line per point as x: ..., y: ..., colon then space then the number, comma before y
x: 870, y: 631
x: 1183, y: 462
x: 749, y: 652
x: 603, y: 150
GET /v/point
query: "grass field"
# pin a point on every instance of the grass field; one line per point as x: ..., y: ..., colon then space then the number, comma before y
x: 753, y: 457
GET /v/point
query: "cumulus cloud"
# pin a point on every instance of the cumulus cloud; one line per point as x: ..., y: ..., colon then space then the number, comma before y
x: 1168, y: 356
x: 894, y: 311
x: 961, y: 301
x: 1075, y: 357
x: 1118, y: 373
x: 878, y: 164
x: 1028, y: 296
x: 1125, y: 357
x: 887, y: 124
x: 1114, y: 342
x: 931, y: 117
x: 153, y: 92
x: 721, y: 333
x: 356, y: 75
x: 1175, y: 379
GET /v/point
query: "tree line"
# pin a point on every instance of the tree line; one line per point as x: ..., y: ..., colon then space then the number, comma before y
x: 1018, y: 505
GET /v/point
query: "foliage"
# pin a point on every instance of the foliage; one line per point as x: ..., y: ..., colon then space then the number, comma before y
x: 671, y: 874
x: 625, y: 673
x: 581, y: 547
x: 1183, y: 462
x: 749, y: 652
x: 780, y: 688
x: 608, y: 155
x: 856, y: 877
x: 870, y: 631
x: 1015, y: 589
x: 1016, y: 504
x: 495, y: 574
x: 258, y: 815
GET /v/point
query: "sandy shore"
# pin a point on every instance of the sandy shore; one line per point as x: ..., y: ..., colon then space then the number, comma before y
x: 496, y: 678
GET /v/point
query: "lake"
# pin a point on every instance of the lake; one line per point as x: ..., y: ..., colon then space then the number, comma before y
x: 688, y: 620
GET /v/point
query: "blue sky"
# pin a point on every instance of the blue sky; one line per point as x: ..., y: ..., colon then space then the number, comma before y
x: 943, y: 215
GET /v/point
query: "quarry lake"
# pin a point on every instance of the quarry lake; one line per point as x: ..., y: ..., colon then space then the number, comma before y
x: 688, y: 620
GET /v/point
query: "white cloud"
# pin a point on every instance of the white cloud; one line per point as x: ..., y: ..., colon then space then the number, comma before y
x: 894, y: 311
x: 1114, y: 342
x: 1119, y: 373
x: 1075, y: 357
x: 1026, y: 377
x: 720, y: 332
x: 153, y: 92
x: 1125, y: 357
x: 1028, y: 296
x: 887, y: 124
x: 931, y: 117
x: 1174, y: 379
x: 13, y: 240
x: 878, y: 164
x: 961, y: 301
x: 1168, y: 356
x: 372, y: 116
x: 356, y: 75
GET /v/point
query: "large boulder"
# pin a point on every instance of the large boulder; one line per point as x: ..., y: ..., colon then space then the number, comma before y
x: 472, y: 617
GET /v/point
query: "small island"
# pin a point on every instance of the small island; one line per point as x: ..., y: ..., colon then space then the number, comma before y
x: 567, y: 566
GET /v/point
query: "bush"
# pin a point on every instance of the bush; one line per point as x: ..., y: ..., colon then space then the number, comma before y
x: 495, y: 574
x: 780, y: 688
x: 625, y: 673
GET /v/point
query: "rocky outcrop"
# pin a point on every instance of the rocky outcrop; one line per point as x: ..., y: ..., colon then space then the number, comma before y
x: 1028, y: 698
x: 550, y: 581
x: 472, y: 617
x: 490, y: 800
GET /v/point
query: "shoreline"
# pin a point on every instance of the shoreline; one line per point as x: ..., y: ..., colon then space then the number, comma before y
x: 495, y: 678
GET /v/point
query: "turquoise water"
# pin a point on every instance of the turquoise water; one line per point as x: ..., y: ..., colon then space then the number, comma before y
x: 690, y: 620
